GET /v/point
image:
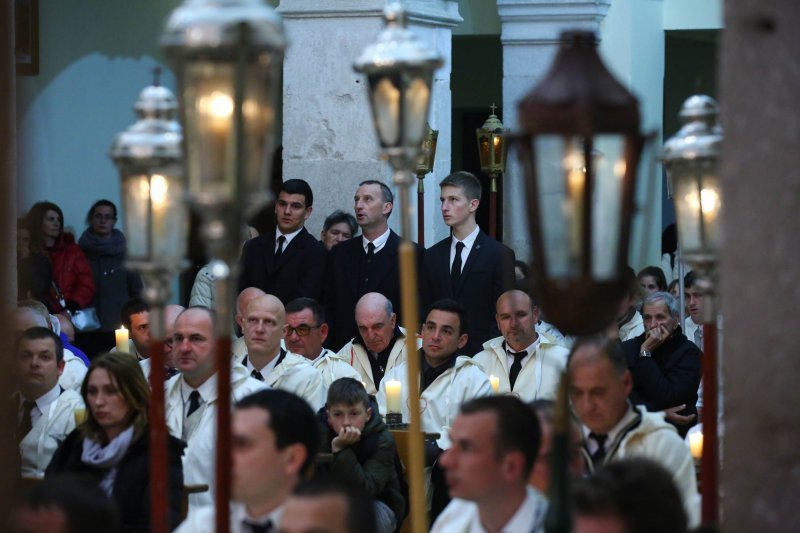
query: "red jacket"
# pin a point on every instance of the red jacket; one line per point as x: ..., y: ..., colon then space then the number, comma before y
x: 71, y: 272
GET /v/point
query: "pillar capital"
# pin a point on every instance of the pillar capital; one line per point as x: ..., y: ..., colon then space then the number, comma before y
x: 542, y: 21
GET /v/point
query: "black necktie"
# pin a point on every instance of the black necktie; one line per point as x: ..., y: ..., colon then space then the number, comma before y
x: 259, y: 528
x: 256, y: 374
x: 455, y: 270
x: 194, y: 402
x: 25, y: 423
x: 279, y: 251
x: 516, y: 366
x: 600, y: 453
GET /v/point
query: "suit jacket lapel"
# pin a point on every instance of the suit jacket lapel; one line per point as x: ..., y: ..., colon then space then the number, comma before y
x: 472, y: 259
x: 444, y: 261
x: 388, y: 255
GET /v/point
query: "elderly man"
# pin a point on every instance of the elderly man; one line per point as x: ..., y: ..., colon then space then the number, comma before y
x: 31, y: 314
x: 495, y: 441
x: 665, y: 365
x: 191, y: 396
x: 380, y: 344
x: 527, y: 364
x: 612, y: 428
x: 267, y: 361
x: 305, y: 331
x: 45, y: 411
x: 274, y: 440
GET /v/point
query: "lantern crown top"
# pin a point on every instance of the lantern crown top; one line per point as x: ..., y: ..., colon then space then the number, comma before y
x: 155, y: 135
x: 212, y: 27
x: 700, y: 137
x: 397, y: 47
x: 493, y: 123
x: 579, y: 95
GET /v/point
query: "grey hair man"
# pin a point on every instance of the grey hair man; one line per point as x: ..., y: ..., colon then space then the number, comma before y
x: 664, y: 364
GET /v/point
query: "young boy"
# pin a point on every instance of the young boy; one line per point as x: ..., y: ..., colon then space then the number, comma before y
x: 364, y: 452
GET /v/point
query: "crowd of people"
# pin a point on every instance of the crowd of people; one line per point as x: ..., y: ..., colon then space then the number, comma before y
x: 321, y: 359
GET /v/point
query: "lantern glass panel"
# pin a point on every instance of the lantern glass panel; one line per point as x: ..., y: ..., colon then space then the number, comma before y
x: 561, y: 171
x: 698, y: 203
x: 209, y: 100
x: 156, y: 223
x: 400, y: 107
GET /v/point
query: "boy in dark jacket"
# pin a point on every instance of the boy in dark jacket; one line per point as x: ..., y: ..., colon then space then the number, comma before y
x: 364, y: 452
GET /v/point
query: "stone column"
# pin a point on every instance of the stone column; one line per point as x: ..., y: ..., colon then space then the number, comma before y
x: 760, y: 265
x: 328, y: 137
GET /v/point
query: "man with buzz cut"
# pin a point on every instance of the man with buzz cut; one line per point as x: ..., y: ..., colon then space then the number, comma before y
x: 468, y: 266
x: 45, y: 411
x: 290, y: 262
x: 191, y: 397
x: 268, y: 362
x: 368, y: 263
x: 526, y: 364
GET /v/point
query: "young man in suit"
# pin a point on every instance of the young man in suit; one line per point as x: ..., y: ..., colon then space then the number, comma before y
x: 368, y: 263
x: 289, y: 263
x: 469, y: 266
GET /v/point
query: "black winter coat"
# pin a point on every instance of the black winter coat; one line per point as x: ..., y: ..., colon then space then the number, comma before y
x: 131, y: 490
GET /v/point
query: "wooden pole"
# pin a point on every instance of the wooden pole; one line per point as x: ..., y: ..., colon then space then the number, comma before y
x: 710, y: 460
x: 421, y: 209
x: 159, y: 462
x: 493, y: 207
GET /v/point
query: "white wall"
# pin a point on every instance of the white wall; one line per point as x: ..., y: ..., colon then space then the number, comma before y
x: 692, y: 14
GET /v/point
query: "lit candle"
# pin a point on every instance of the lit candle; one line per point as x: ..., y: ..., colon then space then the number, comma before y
x: 696, y: 444
x: 393, y: 388
x: 122, y: 340
x: 80, y: 415
x: 495, y: 381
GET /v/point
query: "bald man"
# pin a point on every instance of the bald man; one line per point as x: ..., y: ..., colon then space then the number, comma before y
x: 171, y: 313
x: 526, y: 364
x: 249, y: 294
x: 191, y: 396
x: 264, y: 325
x: 380, y: 344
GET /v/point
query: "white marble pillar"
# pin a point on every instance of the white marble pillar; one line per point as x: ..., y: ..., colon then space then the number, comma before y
x: 530, y: 35
x: 328, y: 137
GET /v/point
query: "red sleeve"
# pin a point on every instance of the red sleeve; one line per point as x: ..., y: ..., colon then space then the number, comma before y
x: 83, y: 289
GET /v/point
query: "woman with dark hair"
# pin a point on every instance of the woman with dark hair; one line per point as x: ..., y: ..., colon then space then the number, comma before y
x: 111, y: 447
x: 652, y: 280
x: 73, y: 285
x: 34, y: 277
x: 104, y: 247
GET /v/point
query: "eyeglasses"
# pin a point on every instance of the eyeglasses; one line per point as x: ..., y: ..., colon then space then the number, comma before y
x: 302, y: 330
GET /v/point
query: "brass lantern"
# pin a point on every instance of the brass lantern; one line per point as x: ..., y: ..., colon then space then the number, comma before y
x: 227, y: 57
x: 492, y: 145
x: 691, y: 159
x: 148, y: 156
x: 579, y: 148
x: 427, y: 156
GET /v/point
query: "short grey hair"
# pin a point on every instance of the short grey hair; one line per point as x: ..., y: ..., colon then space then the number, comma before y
x: 666, y: 299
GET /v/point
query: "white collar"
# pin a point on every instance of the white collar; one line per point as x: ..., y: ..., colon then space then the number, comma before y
x: 45, y: 400
x: 267, y: 369
x: 288, y: 236
x: 239, y: 514
x: 612, y: 435
x: 321, y: 356
x: 379, y: 242
x: 468, y: 241
x: 208, y: 390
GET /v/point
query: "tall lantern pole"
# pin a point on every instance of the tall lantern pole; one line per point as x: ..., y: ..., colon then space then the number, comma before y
x: 148, y: 155
x: 691, y: 159
x: 227, y: 58
x: 579, y: 148
x: 492, y: 148
x: 399, y: 70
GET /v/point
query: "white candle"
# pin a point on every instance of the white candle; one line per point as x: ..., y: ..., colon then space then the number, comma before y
x: 122, y: 340
x: 696, y: 444
x: 495, y: 381
x: 393, y: 394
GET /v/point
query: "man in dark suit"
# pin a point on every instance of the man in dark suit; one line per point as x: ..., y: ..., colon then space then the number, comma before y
x: 290, y: 262
x: 469, y: 266
x: 362, y: 264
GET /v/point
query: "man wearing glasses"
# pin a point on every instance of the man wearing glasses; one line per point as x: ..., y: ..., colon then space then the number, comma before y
x: 171, y: 313
x: 305, y: 332
x: 264, y: 327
